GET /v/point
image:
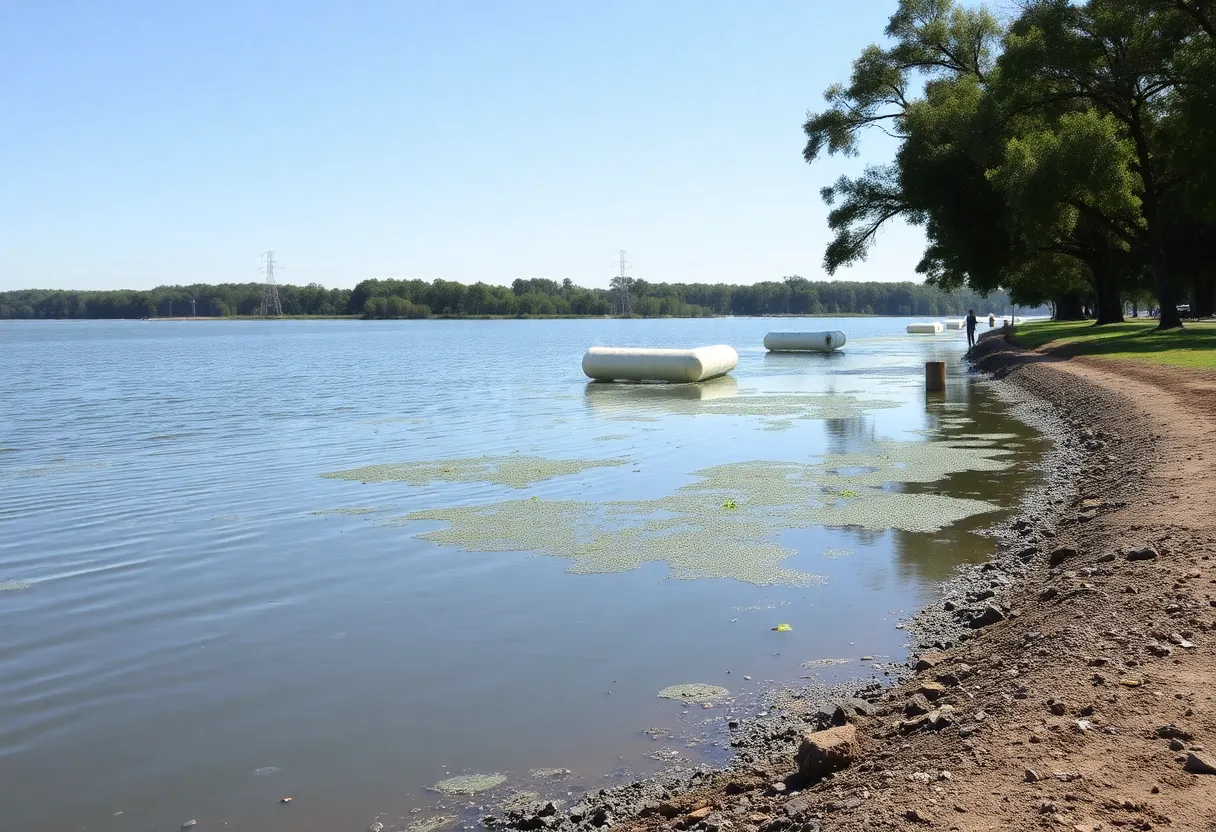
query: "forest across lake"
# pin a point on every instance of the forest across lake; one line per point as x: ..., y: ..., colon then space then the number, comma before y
x: 390, y: 298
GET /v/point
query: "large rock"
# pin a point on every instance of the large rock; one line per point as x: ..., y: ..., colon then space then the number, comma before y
x: 990, y: 614
x: 917, y: 704
x: 1197, y: 763
x: 929, y: 660
x: 823, y: 752
x: 1060, y: 555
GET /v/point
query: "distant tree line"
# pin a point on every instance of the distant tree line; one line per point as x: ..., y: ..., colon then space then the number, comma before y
x: 217, y: 301
x: 1061, y: 152
x: 533, y: 297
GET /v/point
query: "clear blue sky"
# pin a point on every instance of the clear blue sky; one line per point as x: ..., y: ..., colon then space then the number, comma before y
x: 171, y: 142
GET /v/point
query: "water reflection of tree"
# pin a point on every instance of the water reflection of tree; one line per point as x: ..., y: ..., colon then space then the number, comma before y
x: 854, y: 433
x: 925, y: 558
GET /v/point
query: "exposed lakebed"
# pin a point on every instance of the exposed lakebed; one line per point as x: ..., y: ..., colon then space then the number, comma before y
x: 257, y: 561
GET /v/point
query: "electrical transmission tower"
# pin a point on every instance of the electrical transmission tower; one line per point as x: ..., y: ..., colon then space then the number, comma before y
x: 270, y: 290
x: 621, y: 282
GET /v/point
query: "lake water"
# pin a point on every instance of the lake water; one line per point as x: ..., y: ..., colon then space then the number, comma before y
x: 197, y: 622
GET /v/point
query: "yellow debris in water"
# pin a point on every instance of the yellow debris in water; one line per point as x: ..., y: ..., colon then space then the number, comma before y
x: 782, y: 628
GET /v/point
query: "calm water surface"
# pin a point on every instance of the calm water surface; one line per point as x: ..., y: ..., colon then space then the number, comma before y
x: 182, y: 607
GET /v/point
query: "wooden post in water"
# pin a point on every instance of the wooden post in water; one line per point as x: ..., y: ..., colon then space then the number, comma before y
x: 935, y: 376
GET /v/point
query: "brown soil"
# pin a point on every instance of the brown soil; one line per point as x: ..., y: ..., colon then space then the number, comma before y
x: 1102, y: 639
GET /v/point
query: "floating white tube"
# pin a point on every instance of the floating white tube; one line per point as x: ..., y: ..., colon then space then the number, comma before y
x: 955, y: 324
x: 804, y: 341
x: 633, y: 364
x: 925, y: 329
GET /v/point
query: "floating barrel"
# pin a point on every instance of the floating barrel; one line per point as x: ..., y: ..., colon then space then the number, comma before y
x: 634, y: 364
x: 804, y: 341
x: 925, y: 329
x: 955, y: 324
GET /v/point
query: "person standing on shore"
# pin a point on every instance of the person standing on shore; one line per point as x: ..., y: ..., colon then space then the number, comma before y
x: 971, y: 323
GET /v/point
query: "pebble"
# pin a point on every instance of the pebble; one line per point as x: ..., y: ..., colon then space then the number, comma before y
x: 1143, y: 553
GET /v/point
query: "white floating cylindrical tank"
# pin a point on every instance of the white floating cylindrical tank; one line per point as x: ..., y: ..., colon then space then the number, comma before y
x: 804, y: 341
x: 640, y: 364
x: 925, y: 329
x: 955, y: 324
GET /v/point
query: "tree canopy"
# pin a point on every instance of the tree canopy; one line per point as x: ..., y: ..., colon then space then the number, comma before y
x: 1062, y: 154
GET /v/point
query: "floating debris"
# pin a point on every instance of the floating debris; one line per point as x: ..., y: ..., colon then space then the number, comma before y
x: 549, y: 772
x: 266, y: 771
x: 13, y: 586
x: 612, y: 437
x: 470, y: 783
x: 783, y: 628
x: 836, y: 553
x: 509, y: 471
x: 694, y: 693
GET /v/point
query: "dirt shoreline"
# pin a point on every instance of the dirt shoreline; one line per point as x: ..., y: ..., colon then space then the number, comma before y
x: 1065, y: 684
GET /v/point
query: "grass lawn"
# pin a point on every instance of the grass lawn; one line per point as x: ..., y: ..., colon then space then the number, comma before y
x: 1193, y: 347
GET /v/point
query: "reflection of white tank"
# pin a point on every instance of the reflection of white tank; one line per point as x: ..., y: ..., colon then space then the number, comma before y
x: 634, y: 364
x: 925, y: 329
x: 804, y: 341
x: 955, y: 324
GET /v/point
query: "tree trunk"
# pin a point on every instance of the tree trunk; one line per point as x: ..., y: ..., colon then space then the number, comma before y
x: 1109, y: 306
x: 1150, y: 210
x: 1069, y: 308
x: 1203, y: 295
x: 1164, y: 284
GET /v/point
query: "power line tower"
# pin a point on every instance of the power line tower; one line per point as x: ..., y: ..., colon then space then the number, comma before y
x: 621, y: 284
x: 270, y: 290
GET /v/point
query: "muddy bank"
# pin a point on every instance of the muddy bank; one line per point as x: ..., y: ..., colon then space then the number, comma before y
x: 1064, y: 684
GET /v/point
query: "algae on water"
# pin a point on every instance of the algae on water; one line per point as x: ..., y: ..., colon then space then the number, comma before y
x: 694, y: 693
x: 725, y: 525
x: 470, y: 783
x: 509, y: 471
x: 431, y: 824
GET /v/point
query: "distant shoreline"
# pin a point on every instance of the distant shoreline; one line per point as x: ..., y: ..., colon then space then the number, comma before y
x: 188, y: 318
